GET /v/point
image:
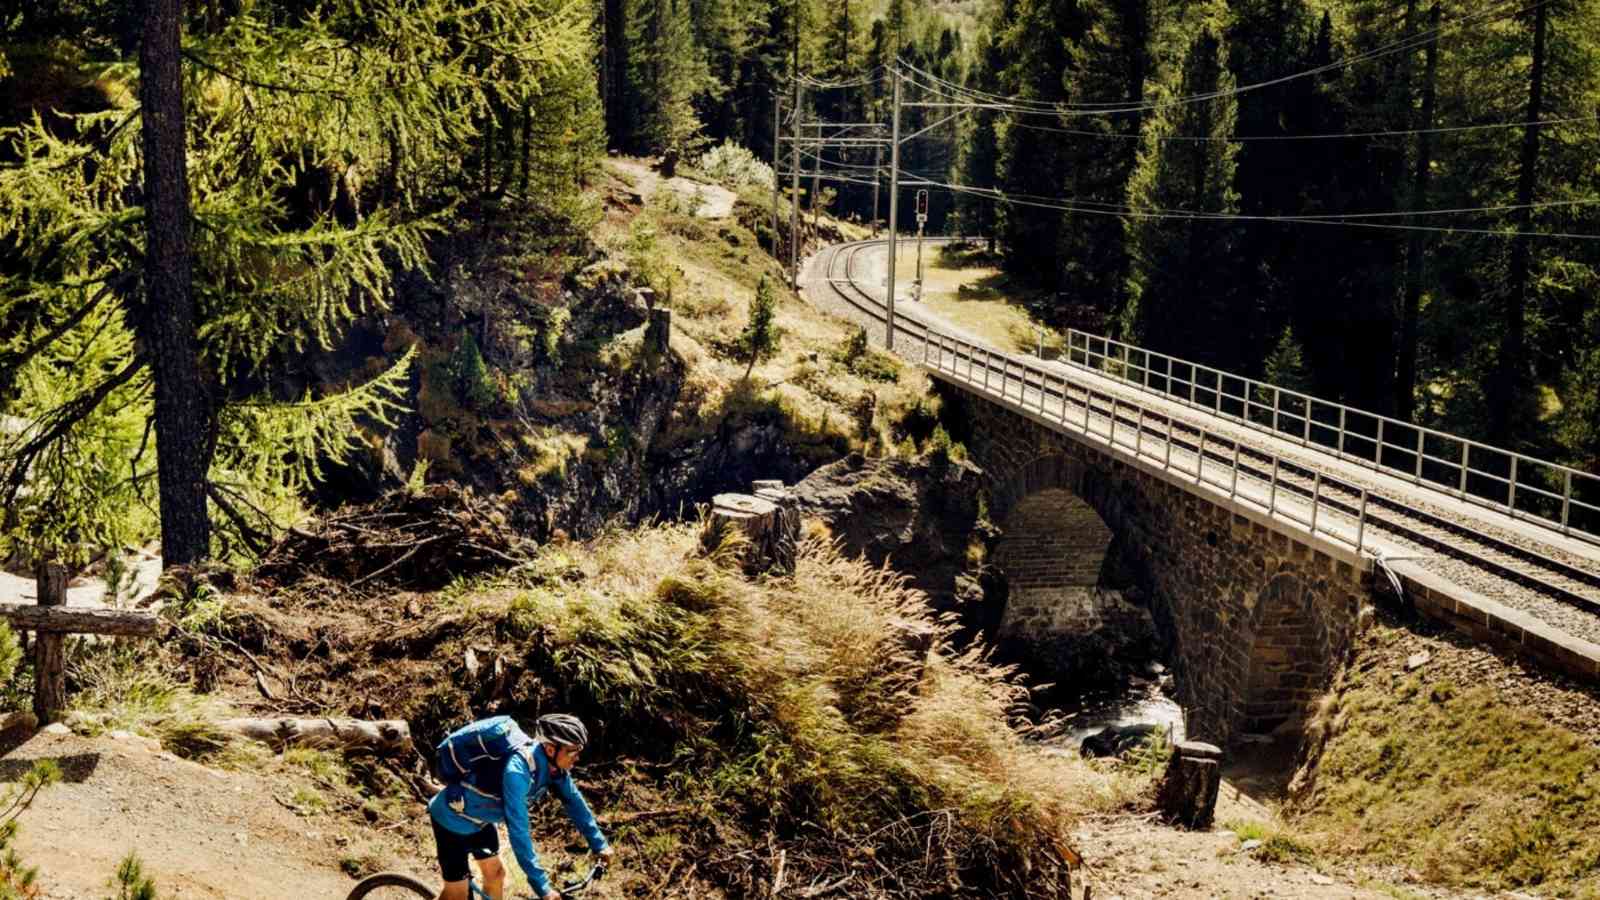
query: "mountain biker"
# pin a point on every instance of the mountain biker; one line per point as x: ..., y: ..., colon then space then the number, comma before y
x: 544, y: 764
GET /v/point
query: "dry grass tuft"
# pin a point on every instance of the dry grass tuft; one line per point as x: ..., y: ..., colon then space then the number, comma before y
x: 827, y: 698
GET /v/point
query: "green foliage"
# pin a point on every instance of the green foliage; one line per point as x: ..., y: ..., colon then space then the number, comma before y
x: 735, y: 167
x: 667, y: 72
x: 551, y: 330
x: 17, y: 878
x: 323, y: 152
x: 761, y: 335
x: 1150, y: 758
x: 131, y: 882
x: 646, y: 260
x: 941, y: 449
x: 1179, y: 289
x: 10, y: 652
x: 1285, y: 366
x: 470, y: 375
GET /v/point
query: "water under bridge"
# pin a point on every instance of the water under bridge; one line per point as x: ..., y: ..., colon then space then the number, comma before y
x: 1260, y: 522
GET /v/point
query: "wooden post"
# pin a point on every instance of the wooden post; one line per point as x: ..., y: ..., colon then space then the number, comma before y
x: 49, y: 664
x: 1188, y: 793
x: 658, y: 330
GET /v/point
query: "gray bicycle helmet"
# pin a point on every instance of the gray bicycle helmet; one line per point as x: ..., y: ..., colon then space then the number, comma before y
x: 561, y: 728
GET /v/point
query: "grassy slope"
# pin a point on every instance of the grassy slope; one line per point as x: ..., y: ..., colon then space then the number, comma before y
x: 809, y: 384
x: 734, y: 719
x: 1437, y: 771
x: 972, y: 294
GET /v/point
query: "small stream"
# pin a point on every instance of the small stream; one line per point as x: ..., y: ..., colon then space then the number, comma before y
x: 1142, y: 700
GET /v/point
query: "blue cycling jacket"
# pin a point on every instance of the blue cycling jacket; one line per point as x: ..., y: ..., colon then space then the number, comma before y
x: 522, y: 788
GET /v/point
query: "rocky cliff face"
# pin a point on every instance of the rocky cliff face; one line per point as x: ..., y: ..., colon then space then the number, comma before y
x: 922, y: 517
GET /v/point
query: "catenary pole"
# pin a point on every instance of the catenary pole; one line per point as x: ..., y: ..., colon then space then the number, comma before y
x: 877, y: 179
x: 777, y: 127
x: 894, y: 206
x: 794, y: 195
x: 816, y: 179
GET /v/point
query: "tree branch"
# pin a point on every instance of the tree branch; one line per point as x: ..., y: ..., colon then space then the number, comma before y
x: 58, y: 422
x: 254, y: 538
x: 209, y: 66
x: 11, y: 363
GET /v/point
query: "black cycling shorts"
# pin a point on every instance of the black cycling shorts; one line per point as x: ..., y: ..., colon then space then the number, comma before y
x: 454, y: 848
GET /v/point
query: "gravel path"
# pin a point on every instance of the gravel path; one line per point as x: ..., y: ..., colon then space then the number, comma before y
x: 1578, y: 619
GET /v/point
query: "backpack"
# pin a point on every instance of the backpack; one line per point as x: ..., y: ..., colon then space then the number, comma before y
x: 474, y: 757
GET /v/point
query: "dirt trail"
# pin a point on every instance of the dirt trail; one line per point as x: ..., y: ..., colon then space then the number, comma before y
x: 716, y: 202
x: 201, y: 832
x: 90, y: 590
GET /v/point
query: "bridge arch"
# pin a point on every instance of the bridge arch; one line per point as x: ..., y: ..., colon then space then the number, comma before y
x: 1075, y: 603
x: 1255, y: 616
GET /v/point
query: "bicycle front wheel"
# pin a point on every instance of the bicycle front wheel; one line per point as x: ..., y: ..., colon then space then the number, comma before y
x: 390, y: 886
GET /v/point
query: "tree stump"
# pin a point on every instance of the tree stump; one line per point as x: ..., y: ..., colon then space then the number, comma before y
x: 772, y: 530
x: 49, y: 661
x: 1188, y: 793
x: 788, y: 505
x: 658, y: 330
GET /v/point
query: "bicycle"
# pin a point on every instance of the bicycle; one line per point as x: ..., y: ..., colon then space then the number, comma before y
x: 395, y: 885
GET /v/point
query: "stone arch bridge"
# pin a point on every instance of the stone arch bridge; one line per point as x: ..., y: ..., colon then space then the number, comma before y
x: 1257, y: 523
x: 1257, y: 617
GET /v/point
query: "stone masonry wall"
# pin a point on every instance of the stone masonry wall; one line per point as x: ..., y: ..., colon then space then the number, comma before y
x: 1258, y: 619
x: 1058, y: 607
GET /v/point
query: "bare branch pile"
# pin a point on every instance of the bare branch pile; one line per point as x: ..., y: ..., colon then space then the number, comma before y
x: 416, y: 540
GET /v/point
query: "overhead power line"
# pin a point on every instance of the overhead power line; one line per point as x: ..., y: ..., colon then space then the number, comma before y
x: 1354, y: 220
x: 1026, y: 106
x: 1334, y: 135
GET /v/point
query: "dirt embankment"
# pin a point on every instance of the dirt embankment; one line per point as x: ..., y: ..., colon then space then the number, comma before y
x: 200, y: 831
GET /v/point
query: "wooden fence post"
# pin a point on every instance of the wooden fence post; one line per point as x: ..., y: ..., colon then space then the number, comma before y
x: 49, y: 664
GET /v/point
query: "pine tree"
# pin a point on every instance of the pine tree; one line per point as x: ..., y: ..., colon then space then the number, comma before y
x: 667, y: 72
x: 1181, y: 286
x: 760, y: 338
x: 1037, y: 41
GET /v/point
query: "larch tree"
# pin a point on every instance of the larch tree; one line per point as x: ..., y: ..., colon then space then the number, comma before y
x: 119, y: 388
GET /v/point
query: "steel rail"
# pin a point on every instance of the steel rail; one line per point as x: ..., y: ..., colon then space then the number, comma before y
x: 1283, y: 479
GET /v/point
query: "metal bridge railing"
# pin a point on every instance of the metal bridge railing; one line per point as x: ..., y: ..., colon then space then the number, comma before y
x: 1322, y: 505
x: 1535, y: 490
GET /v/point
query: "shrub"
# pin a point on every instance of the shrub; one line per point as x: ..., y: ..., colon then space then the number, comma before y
x: 759, y: 340
x: 471, y: 375
x: 735, y: 167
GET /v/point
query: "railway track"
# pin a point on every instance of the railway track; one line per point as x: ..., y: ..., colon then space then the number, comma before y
x: 1498, y: 566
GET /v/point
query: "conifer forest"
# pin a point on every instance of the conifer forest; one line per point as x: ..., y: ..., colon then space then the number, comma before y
x: 1395, y: 205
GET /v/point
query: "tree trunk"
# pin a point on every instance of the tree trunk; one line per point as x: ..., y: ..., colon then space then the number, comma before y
x: 1406, y: 371
x: 1188, y: 793
x: 167, y: 327
x: 1506, y: 393
x: 382, y: 736
x: 58, y: 619
x: 49, y: 669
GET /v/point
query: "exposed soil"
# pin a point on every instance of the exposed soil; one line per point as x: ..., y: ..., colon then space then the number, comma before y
x: 200, y: 832
x: 716, y: 201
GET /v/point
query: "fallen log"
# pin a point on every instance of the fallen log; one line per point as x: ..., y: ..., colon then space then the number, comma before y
x: 80, y: 619
x: 381, y: 736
